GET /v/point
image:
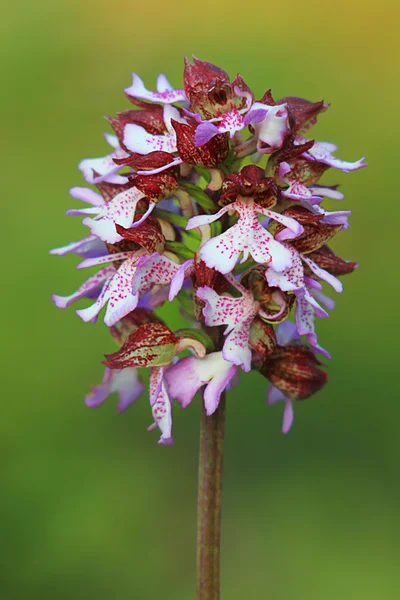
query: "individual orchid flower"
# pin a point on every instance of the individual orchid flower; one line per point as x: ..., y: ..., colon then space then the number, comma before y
x: 125, y: 382
x: 109, y: 285
x: 155, y: 346
x: 122, y: 288
x: 296, y: 189
x: 120, y: 210
x: 247, y: 236
x: 104, y: 169
x: 165, y: 93
x: 311, y: 196
x: 230, y: 122
x: 189, y: 374
x: 270, y: 124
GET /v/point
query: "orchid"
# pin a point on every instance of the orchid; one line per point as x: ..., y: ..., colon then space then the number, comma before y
x: 175, y: 214
x: 238, y: 220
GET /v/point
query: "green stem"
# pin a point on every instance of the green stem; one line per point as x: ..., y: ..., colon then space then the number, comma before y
x: 209, y: 502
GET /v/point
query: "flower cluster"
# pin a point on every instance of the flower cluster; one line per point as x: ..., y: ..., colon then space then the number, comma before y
x: 212, y: 199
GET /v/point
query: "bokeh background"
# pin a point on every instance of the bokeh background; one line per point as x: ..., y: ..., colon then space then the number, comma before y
x: 90, y: 505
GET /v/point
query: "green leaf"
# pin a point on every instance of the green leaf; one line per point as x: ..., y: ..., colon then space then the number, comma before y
x: 205, y: 173
x: 186, y: 301
x: 242, y: 267
x: 199, y: 195
x: 216, y: 228
x: 196, y: 334
x: 179, y: 249
x: 171, y: 217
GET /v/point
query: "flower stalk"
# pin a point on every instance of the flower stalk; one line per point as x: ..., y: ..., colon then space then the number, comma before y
x: 209, y: 502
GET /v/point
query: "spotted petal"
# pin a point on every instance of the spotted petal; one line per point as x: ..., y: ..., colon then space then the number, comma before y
x: 121, y: 298
x: 165, y: 93
x: 238, y: 314
x: 322, y: 152
x: 157, y: 269
x: 292, y: 278
x: 248, y: 236
x: 137, y: 139
x: 162, y: 414
x: 121, y: 210
x: 305, y: 322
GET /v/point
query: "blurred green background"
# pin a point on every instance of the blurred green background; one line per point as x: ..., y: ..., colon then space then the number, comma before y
x: 90, y: 505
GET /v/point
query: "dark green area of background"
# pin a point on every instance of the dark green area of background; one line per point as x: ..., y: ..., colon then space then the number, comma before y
x: 91, y: 507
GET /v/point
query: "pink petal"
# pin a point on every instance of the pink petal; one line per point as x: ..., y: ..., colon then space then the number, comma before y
x: 165, y: 93
x: 88, y: 246
x: 236, y: 347
x: 288, y: 416
x: 121, y: 299
x: 204, y: 133
x: 120, y: 210
x: 217, y: 385
x: 189, y: 374
x: 87, y: 195
x: 305, y: 321
x: 100, y: 260
x: 155, y: 383
x: 137, y: 139
x: 157, y: 269
x: 162, y: 414
x: 274, y: 395
x: 322, y: 152
x: 292, y: 225
x: 91, y: 313
x: 185, y: 270
x: 87, y: 289
x: 322, y: 274
x: 201, y: 220
x: 272, y: 130
x: 286, y: 332
x: 290, y: 279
